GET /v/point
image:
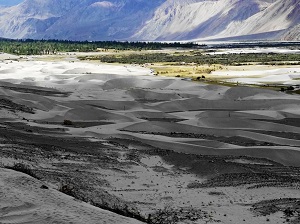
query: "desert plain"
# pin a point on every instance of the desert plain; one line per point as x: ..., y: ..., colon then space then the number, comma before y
x: 116, y: 143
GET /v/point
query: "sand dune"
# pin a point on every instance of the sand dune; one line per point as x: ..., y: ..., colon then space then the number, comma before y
x: 133, y: 82
x: 23, y: 200
x: 125, y: 95
x: 285, y: 155
x: 259, y: 114
x: 260, y: 75
x: 236, y: 123
x: 152, y: 114
x: 249, y: 93
x: 128, y: 111
x: 145, y: 95
x: 93, y: 114
x: 225, y: 105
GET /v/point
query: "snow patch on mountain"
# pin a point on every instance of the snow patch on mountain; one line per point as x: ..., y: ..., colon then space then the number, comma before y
x: 104, y: 4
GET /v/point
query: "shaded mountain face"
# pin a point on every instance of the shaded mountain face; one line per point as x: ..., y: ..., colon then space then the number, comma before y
x: 105, y: 20
x: 151, y: 20
x: 75, y: 19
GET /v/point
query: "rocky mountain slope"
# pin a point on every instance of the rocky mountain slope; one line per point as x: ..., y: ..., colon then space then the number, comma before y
x: 151, y: 20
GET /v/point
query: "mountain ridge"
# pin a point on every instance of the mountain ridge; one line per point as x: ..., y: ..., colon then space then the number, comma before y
x: 161, y: 20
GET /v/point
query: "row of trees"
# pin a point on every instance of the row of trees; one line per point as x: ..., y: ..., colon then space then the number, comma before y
x: 200, y: 58
x: 38, y: 47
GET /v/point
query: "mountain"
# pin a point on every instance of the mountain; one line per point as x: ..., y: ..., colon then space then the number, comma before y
x: 94, y: 20
x: 75, y: 19
x: 152, y: 20
x: 292, y: 34
x: 227, y: 19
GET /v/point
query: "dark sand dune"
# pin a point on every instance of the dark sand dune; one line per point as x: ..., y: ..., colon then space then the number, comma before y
x: 156, y: 126
x: 32, y: 100
x: 90, y: 114
x: 185, y: 85
x: 284, y: 155
x: 115, y: 104
x: 236, y: 123
x: 163, y: 127
x: 184, y: 130
x: 98, y: 77
x: 24, y: 201
x: 148, y: 95
x: 249, y: 115
x: 133, y: 82
x: 223, y: 104
x: 152, y: 115
x: 243, y: 92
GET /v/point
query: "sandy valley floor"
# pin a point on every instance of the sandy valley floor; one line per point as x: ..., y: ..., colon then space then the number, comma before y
x: 206, y: 153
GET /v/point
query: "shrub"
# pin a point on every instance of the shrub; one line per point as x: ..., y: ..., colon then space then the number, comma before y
x: 169, y: 215
x: 68, y: 122
x: 67, y: 189
x: 194, y: 185
x: 290, y: 88
x: 288, y: 212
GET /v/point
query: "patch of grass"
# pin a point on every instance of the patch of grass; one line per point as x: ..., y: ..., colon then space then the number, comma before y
x: 184, y: 71
x: 297, y: 91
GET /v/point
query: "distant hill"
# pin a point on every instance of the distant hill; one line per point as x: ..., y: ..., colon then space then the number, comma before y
x: 152, y: 20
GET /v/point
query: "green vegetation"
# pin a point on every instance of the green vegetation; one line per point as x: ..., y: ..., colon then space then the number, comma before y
x: 200, y: 58
x: 184, y: 71
x: 43, y: 47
